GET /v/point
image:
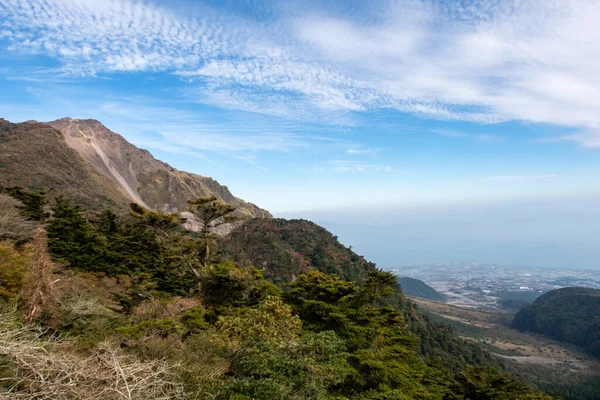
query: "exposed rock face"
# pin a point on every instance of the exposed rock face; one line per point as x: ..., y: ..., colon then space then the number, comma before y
x: 108, y: 153
x: 35, y: 155
x: 147, y: 181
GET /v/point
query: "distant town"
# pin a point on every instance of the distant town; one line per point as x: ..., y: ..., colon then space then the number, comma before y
x: 496, y: 287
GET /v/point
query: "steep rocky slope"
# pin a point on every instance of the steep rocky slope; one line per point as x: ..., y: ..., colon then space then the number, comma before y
x: 147, y: 180
x: 35, y: 156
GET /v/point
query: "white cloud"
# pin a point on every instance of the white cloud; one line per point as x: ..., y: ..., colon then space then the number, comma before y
x: 490, y: 61
x: 180, y: 131
x: 449, y: 133
x: 517, y: 178
x: 457, y: 134
x: 354, y: 166
x: 355, y: 151
x: 587, y: 138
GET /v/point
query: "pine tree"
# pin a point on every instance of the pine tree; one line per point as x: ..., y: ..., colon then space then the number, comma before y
x: 33, y: 202
x: 69, y: 235
x: 211, y: 213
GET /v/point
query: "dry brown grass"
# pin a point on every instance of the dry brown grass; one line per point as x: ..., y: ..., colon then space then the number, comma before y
x: 52, y: 369
x: 154, y: 309
x: 39, y: 293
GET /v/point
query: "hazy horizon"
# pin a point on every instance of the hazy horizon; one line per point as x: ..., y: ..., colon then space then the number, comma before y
x: 559, y: 233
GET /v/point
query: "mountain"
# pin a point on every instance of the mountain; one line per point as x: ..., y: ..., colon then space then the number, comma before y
x: 570, y: 315
x: 148, y: 181
x: 93, y: 166
x: 36, y: 156
x: 417, y: 288
x: 222, y: 330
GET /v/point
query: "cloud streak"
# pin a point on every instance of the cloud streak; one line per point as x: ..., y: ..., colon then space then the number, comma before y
x: 354, y: 166
x: 521, y: 178
x: 481, y: 61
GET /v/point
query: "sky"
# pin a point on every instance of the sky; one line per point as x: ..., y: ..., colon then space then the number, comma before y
x: 465, y: 130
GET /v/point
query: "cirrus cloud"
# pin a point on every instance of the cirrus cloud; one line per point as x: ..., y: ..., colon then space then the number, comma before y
x: 482, y: 61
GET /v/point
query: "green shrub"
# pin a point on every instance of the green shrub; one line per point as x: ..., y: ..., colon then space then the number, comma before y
x: 12, y: 271
x: 87, y: 319
x: 194, y: 320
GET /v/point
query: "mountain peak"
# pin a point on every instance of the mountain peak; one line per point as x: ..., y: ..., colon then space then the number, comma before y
x: 148, y: 181
x: 97, y: 167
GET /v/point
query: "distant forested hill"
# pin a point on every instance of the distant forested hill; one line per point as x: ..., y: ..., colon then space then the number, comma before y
x: 570, y: 314
x: 417, y: 288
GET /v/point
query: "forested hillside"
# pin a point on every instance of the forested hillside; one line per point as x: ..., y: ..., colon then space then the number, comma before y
x: 137, y: 307
x: 569, y: 314
x: 285, y: 249
x: 417, y: 288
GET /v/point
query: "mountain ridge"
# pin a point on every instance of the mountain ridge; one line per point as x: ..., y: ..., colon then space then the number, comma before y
x: 99, y: 168
x: 150, y: 182
x: 57, y: 166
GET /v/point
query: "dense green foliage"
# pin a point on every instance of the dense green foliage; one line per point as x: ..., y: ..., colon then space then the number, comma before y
x: 439, y: 342
x: 569, y: 314
x: 233, y: 334
x: 12, y: 268
x: 417, y: 288
x: 382, y: 351
x: 285, y: 249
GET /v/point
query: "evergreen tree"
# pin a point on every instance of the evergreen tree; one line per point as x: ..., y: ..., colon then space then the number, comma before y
x: 163, y: 224
x: 211, y: 213
x: 382, y: 351
x: 33, y: 202
x: 70, y: 236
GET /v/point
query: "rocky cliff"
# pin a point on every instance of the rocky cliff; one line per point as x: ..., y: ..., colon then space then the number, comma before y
x: 148, y: 181
x: 87, y: 162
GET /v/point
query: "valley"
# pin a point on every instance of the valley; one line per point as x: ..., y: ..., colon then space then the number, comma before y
x: 479, y: 303
x: 496, y: 287
x: 552, y: 365
x: 490, y: 329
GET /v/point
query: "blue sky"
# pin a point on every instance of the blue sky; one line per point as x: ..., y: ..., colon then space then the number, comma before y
x: 327, y: 108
